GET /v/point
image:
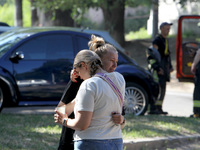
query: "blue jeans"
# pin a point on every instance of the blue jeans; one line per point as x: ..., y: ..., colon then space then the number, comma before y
x: 111, y: 144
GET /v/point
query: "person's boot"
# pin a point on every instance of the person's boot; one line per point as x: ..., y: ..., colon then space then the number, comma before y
x: 160, y: 111
x: 195, y: 116
x: 153, y: 110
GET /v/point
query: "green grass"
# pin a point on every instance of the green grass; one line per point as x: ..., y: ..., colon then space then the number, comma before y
x: 28, y: 132
x: 159, y: 126
x: 39, y: 132
x: 141, y: 34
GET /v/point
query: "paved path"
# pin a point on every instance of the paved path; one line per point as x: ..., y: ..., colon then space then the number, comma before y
x: 175, y: 103
x: 30, y: 110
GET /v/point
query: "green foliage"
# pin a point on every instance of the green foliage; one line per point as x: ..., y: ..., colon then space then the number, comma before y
x: 7, y: 12
x: 140, y: 34
x: 2, y: 2
x: 86, y: 23
x: 52, y: 5
x: 136, y: 3
x: 135, y: 24
x: 79, y: 7
x: 26, y: 13
x: 137, y: 21
x: 184, y: 2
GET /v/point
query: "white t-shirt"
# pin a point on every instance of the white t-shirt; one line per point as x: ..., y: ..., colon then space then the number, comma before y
x: 96, y: 95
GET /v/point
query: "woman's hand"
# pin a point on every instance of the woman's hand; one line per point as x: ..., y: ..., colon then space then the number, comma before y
x: 117, y: 118
x: 74, y: 75
x: 59, y: 117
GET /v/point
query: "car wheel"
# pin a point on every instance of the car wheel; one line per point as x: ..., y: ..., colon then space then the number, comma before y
x: 1, y: 98
x: 136, y: 99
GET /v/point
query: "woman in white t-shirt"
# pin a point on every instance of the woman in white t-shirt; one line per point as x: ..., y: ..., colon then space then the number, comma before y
x: 94, y: 104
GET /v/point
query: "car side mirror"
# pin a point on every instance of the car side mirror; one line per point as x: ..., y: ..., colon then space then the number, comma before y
x: 17, y: 56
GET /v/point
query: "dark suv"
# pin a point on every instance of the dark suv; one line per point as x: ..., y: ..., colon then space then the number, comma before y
x: 35, y: 65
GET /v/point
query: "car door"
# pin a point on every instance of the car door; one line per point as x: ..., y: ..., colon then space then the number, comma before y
x: 187, y: 43
x: 45, y: 69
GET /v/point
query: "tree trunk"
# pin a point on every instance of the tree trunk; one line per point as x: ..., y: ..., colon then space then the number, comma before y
x: 18, y: 13
x: 62, y: 18
x: 155, y: 18
x: 113, y: 11
x: 34, y: 15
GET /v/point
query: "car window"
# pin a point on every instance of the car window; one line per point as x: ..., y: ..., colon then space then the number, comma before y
x: 55, y: 46
x: 7, y: 40
x: 82, y: 43
x: 123, y: 59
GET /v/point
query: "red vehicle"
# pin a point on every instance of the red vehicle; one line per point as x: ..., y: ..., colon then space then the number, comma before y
x: 187, y: 43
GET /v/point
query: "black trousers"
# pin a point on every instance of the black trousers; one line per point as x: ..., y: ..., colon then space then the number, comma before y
x: 66, y: 139
x: 162, y: 84
x: 196, y: 93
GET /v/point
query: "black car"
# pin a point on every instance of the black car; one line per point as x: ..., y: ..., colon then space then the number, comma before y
x: 5, y: 28
x: 35, y: 65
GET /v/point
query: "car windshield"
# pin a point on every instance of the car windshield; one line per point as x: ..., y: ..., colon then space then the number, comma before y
x: 8, y: 39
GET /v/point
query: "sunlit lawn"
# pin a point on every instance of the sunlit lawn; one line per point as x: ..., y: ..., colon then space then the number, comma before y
x: 159, y: 126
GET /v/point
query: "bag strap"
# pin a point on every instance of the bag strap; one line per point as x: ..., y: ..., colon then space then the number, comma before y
x: 112, y: 85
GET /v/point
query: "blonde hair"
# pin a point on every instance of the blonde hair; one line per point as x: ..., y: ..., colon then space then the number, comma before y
x: 98, y: 45
x: 95, y: 42
x: 90, y: 58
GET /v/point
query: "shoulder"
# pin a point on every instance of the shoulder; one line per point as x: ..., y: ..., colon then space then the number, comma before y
x: 158, y: 38
x: 119, y: 75
x: 91, y: 80
x: 116, y: 76
x: 90, y: 83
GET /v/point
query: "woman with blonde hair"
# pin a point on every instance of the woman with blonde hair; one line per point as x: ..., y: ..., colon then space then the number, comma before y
x: 109, y: 58
x: 100, y: 94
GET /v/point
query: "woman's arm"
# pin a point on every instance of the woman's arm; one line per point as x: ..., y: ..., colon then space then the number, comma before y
x: 60, y: 104
x: 81, y: 122
x: 69, y: 108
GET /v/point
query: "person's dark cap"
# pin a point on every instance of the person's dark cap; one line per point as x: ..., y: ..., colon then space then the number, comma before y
x: 164, y: 24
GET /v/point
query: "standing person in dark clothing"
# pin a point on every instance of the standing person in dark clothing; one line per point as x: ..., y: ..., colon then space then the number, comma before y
x: 109, y: 61
x: 66, y: 139
x: 195, y: 69
x: 161, y: 44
